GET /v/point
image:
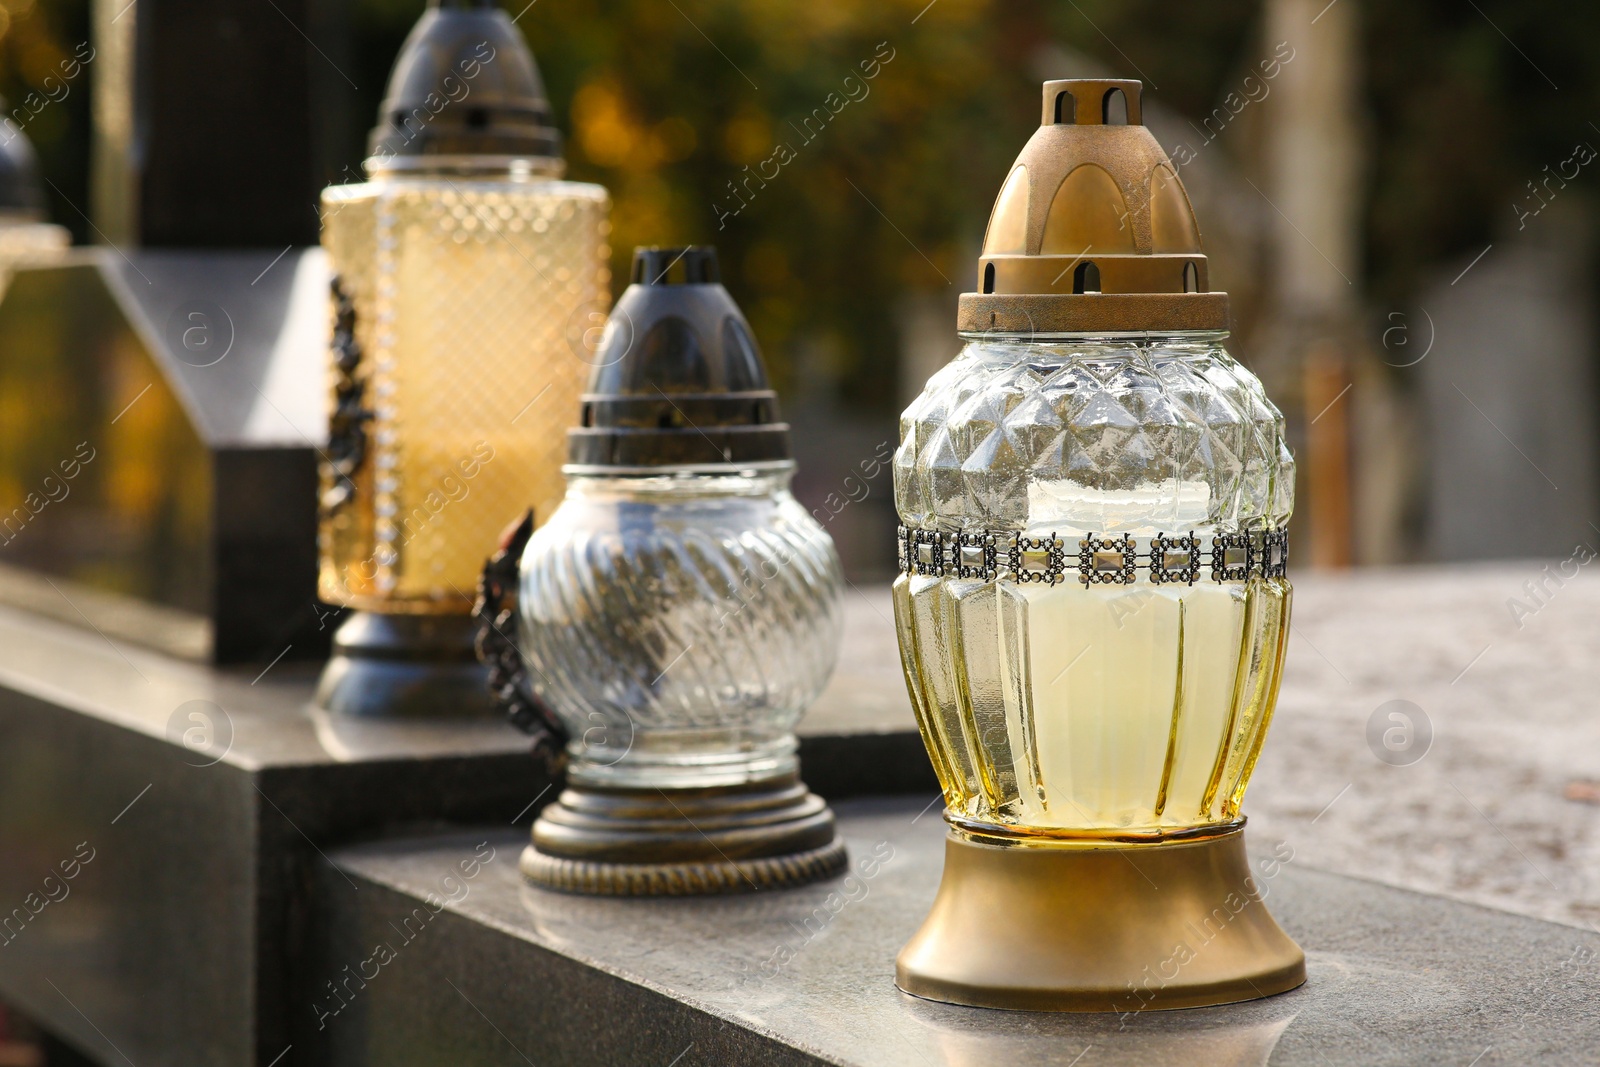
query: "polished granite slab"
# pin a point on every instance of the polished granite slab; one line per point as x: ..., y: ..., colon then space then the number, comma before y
x: 201, y: 796
x: 199, y: 895
x: 205, y: 797
x: 505, y: 973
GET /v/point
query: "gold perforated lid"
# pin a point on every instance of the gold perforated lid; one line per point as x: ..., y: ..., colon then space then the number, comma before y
x: 1092, y: 231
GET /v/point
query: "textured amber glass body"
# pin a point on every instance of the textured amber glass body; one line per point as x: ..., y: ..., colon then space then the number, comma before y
x: 1068, y: 709
x: 472, y: 298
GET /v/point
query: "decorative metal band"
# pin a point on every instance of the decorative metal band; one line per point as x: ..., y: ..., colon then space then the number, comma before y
x: 347, y: 426
x: 683, y: 879
x: 383, y: 368
x: 1170, y: 559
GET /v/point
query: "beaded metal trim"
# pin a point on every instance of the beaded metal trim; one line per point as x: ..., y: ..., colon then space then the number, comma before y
x: 1175, y: 559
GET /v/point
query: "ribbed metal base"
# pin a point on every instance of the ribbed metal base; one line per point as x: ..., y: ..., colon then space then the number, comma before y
x: 683, y: 879
x: 406, y: 667
x: 1120, y: 928
x: 678, y: 842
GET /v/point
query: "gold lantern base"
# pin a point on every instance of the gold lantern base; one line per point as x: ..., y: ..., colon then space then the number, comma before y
x: 1113, y: 928
x: 406, y: 667
x: 681, y: 842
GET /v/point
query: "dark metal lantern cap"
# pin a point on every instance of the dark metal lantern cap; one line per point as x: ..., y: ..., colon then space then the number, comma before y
x: 1092, y: 230
x: 464, y: 84
x: 679, y: 380
x: 21, y: 195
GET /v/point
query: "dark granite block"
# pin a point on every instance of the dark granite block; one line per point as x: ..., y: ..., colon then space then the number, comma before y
x: 511, y: 974
x: 207, y: 798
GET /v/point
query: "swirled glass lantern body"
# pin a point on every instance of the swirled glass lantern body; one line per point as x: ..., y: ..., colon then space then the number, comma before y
x: 1079, y: 667
x: 680, y: 623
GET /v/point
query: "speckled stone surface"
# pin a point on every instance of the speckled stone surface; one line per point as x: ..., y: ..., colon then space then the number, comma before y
x: 1495, y: 809
x: 1509, y: 684
x: 509, y: 974
x: 1468, y: 796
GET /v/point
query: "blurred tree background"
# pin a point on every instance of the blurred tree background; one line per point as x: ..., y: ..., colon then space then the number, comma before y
x: 666, y: 103
x: 682, y: 107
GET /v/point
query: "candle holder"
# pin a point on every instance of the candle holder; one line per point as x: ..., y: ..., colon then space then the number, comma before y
x: 25, y: 235
x: 1094, y: 600
x: 465, y: 276
x: 676, y: 615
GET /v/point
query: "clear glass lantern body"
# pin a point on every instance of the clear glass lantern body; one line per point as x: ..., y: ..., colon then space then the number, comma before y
x: 25, y: 236
x: 680, y: 623
x: 1059, y: 709
x: 472, y: 293
x: 24, y: 241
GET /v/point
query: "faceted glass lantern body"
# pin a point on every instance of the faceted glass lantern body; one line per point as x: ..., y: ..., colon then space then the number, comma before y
x: 471, y: 297
x: 680, y: 624
x: 1093, y: 610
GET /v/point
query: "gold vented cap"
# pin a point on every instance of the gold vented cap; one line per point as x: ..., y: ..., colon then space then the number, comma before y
x: 1093, y: 230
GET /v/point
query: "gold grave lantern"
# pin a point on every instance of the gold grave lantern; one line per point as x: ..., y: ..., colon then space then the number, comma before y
x: 1094, y: 601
